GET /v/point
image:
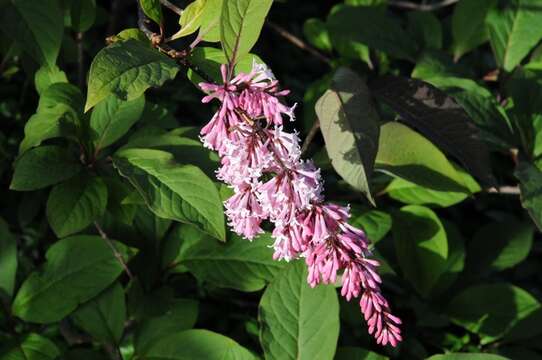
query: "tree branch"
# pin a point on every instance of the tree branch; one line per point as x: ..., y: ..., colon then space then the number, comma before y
x: 420, y: 7
x: 181, y: 56
x: 310, y: 136
x: 177, y: 10
x: 114, y: 250
x: 298, y: 42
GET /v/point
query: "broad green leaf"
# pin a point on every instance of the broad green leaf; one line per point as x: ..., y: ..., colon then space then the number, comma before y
x: 126, y: 69
x: 364, y: 25
x: 47, y: 76
x: 82, y: 14
x: 514, y: 31
x: 316, y: 32
x: 209, y: 59
x: 455, y: 262
x: 530, y: 184
x: 350, y: 126
x: 405, y: 153
x: 112, y: 118
x: 297, y: 321
x: 468, y: 28
x: 33, y: 347
x: 499, y: 246
x: 36, y: 26
x: 526, y: 328
x: 172, y: 191
x: 439, y: 118
x: 477, y: 309
x: 58, y: 114
x: 426, y: 29
x: 180, y: 315
x: 131, y: 33
x: 238, y: 264
x: 8, y: 259
x: 103, y: 317
x: 376, y: 224
x: 75, y: 204
x: 197, y: 344
x: 42, y: 167
x: 410, y: 193
x: 210, y: 21
x: 191, y: 17
x: 240, y: 25
x: 381, y: 3
x: 355, y: 353
x: 421, y: 246
x: 153, y: 9
x: 467, y: 356
x: 77, y: 269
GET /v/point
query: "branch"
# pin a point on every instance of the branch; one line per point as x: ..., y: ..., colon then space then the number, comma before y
x: 114, y: 250
x: 298, y: 42
x: 177, y: 10
x: 181, y: 56
x: 310, y: 136
x: 421, y: 7
x: 80, y: 60
x: 505, y: 190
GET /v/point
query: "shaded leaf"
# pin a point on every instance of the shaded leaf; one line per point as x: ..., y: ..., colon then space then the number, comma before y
x: 152, y: 9
x: 530, y: 184
x: 350, y: 126
x: 468, y: 28
x: 49, y: 295
x: 355, y: 353
x: 82, y: 14
x: 297, y: 321
x: 438, y: 117
x: 467, y: 356
x: 33, y: 347
x: 8, y: 259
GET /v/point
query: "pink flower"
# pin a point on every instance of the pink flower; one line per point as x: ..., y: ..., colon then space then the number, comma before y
x: 263, y: 164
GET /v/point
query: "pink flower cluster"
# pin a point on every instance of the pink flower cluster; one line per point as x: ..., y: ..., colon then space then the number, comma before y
x: 263, y: 164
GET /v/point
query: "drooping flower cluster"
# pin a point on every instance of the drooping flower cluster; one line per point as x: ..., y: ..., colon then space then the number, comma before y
x: 263, y: 164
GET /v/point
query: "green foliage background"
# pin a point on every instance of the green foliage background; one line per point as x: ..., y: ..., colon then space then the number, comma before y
x: 425, y: 116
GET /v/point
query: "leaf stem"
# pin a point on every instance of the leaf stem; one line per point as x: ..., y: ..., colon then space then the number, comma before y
x: 298, y: 42
x: 177, y: 10
x: 310, y: 136
x: 114, y: 250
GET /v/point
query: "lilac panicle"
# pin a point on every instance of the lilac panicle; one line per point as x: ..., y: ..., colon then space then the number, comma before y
x: 263, y: 165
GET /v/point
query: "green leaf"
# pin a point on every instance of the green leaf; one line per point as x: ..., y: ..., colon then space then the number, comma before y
x: 172, y: 191
x: 180, y: 315
x: 467, y: 356
x: 126, y: 69
x: 191, y: 18
x: 240, y: 26
x: 210, y: 21
x: 355, y: 353
x: 103, y: 317
x: 209, y: 59
x: 381, y: 3
x: 408, y: 155
x: 499, y: 246
x: 112, y: 118
x: 237, y: 264
x: 47, y: 76
x: 316, y: 32
x: 77, y: 269
x: 297, y: 321
x: 198, y: 344
x: 33, y: 347
x: 410, y: 193
x: 364, y: 25
x: 152, y: 9
x: 42, y: 167
x: 36, y: 26
x: 421, y: 246
x: 8, y: 259
x: 82, y: 14
x: 75, y: 204
x: 376, y: 224
x: 439, y: 118
x: 530, y: 184
x: 514, y: 31
x: 58, y: 114
x: 468, y: 28
x: 477, y: 310
x: 425, y: 28
x: 455, y: 261
x: 350, y: 126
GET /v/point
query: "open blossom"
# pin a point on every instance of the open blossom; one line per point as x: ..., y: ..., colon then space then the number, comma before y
x: 263, y: 164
